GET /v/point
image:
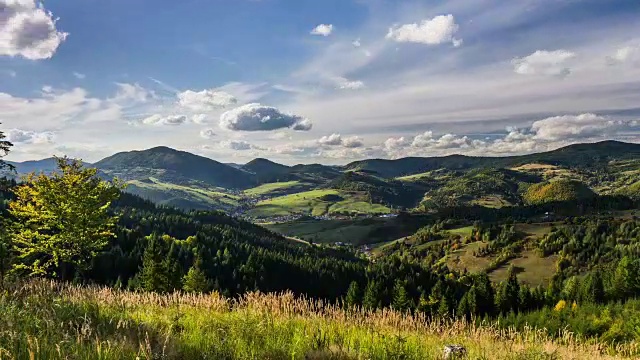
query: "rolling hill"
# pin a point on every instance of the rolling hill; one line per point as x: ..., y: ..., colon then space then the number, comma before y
x: 174, y: 166
x: 594, y: 155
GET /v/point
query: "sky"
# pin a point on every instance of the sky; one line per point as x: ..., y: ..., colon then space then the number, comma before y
x: 308, y: 81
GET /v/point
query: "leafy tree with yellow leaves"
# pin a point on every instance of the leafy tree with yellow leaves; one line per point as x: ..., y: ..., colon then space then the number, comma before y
x: 62, y: 219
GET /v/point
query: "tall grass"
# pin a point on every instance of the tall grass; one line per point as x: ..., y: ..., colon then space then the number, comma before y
x: 48, y: 320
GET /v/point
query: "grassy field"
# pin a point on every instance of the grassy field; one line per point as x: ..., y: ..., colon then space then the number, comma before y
x: 530, y: 267
x: 315, y: 203
x: 165, y: 193
x: 277, y: 188
x: 328, y: 231
x: 99, y: 323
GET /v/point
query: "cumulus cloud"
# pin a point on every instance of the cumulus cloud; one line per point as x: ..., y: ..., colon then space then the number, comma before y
x: 18, y: 136
x: 79, y: 76
x: 132, y: 93
x: 257, y: 117
x: 322, y: 30
x: 396, y: 143
x: 158, y: 119
x: 356, y: 43
x: 337, y: 140
x: 571, y: 127
x: 447, y: 141
x: 626, y: 54
x: 199, y: 119
x: 352, y: 142
x: 543, y: 62
x: 238, y: 145
x: 28, y: 30
x: 205, y: 100
x: 441, y: 29
x: 207, y: 133
x: 331, y: 140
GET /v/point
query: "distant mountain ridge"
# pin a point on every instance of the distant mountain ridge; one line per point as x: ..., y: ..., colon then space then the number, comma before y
x: 576, y: 155
x: 172, y: 177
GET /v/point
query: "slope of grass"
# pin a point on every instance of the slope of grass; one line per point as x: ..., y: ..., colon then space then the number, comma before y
x: 269, y: 188
x: 318, y: 202
x: 96, y: 323
x: 194, y: 195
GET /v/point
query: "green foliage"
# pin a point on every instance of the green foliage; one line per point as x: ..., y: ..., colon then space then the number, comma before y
x: 401, y: 300
x: 62, y: 219
x: 559, y: 190
x: 371, y: 298
x: 196, y: 280
x: 353, y: 295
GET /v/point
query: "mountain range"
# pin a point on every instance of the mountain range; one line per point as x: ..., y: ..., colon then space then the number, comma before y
x: 186, y: 180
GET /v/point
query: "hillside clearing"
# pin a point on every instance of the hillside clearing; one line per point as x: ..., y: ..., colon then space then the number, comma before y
x: 317, y: 203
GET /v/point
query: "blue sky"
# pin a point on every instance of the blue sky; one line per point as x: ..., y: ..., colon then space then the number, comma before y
x: 317, y: 81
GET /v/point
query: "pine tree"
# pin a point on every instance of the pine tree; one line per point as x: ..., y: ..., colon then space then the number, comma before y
x: 625, y: 279
x: 62, y: 219
x: 593, y: 288
x: 154, y: 275
x: 5, y: 146
x: 485, y: 295
x: 401, y: 299
x: 444, y: 307
x: 353, y: 295
x: 196, y: 280
x: 370, y: 300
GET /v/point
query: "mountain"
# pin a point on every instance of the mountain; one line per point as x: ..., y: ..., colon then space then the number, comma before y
x: 561, y: 190
x: 174, y: 166
x: 46, y: 166
x: 579, y: 155
x: 263, y: 166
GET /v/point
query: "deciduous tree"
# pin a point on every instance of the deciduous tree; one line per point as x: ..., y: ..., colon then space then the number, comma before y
x: 62, y: 219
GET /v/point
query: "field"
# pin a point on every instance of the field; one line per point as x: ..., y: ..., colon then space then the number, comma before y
x: 317, y: 203
x: 279, y: 188
x: 175, y: 194
x: 99, y: 323
x: 328, y: 231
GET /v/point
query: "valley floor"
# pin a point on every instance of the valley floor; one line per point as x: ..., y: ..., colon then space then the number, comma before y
x: 43, y: 320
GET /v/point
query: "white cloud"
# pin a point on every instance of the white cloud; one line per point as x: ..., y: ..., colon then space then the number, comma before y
x: 573, y: 127
x: 331, y: 140
x: 438, y: 30
x: 18, y: 136
x: 236, y: 145
x: 352, y: 142
x: 337, y: 140
x: 396, y: 143
x: 543, y: 62
x: 205, y: 100
x: 322, y: 30
x: 630, y: 53
x: 207, y: 133
x: 79, y: 76
x: 28, y: 30
x: 158, y: 119
x: 346, y: 84
x: 133, y: 93
x: 199, y: 119
x: 447, y: 141
x: 257, y: 117
x: 357, y: 43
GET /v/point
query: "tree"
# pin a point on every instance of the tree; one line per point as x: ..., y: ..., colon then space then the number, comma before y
x: 62, y: 219
x: 401, y: 300
x: 353, y: 294
x: 154, y: 274
x: 196, y: 280
x: 625, y: 279
x: 5, y: 253
x: 593, y: 288
x: 370, y: 300
x: 5, y: 146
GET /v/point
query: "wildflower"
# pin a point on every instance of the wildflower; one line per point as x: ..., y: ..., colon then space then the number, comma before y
x: 560, y: 306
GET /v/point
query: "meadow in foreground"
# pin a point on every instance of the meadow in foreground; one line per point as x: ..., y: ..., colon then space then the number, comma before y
x: 48, y: 320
